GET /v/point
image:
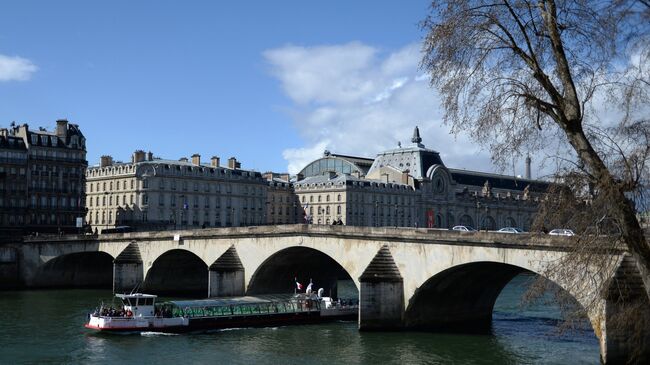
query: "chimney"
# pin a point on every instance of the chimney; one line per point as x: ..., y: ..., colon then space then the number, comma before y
x: 149, y: 156
x: 105, y: 160
x: 268, y: 176
x: 405, y: 178
x: 528, y: 167
x: 4, y: 132
x: 285, y: 177
x: 233, y: 164
x: 62, y: 128
x: 138, y: 156
x: 196, y: 159
x: 214, y: 161
x: 183, y: 159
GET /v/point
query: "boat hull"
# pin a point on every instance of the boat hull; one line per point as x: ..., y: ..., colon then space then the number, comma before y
x: 203, y: 324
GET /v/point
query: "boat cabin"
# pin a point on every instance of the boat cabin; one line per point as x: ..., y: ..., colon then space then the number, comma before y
x: 138, y: 304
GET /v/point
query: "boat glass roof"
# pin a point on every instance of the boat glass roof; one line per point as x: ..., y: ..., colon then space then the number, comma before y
x: 220, y: 302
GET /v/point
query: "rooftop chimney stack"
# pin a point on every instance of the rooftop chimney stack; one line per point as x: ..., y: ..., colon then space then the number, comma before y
x: 196, y: 159
x: 62, y: 128
x: 105, y: 161
x: 233, y: 164
x: 149, y: 156
x: 138, y: 156
x: 183, y: 159
x: 214, y: 161
x: 528, y: 167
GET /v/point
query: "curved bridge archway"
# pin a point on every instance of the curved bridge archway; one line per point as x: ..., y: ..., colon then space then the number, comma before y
x: 462, y: 298
x: 177, y: 272
x: 76, y: 270
x: 276, y: 274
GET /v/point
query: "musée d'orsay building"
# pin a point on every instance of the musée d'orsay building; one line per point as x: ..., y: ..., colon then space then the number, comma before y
x: 403, y: 187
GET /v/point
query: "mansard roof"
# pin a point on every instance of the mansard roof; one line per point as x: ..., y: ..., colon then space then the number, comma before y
x: 496, y: 181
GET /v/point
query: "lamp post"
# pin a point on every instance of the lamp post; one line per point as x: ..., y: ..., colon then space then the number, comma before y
x: 395, y: 215
x: 105, y: 210
x: 478, y: 206
x: 376, y: 213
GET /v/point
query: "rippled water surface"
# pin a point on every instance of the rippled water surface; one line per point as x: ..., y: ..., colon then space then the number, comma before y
x: 46, y: 327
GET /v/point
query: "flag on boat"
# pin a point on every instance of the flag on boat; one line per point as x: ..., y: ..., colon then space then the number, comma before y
x: 298, y: 285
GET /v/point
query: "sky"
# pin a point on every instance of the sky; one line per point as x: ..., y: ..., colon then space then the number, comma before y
x: 272, y: 83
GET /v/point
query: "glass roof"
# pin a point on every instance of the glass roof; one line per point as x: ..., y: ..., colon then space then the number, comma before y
x: 329, y: 163
x: 223, y: 302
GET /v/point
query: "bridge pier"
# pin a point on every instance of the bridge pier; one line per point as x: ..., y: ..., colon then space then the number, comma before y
x: 226, y: 275
x: 624, y: 331
x: 128, y: 271
x: 381, y: 294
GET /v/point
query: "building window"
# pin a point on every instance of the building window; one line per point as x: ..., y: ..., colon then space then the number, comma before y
x: 327, y: 197
x: 338, y: 198
x: 327, y: 210
x: 145, y: 199
x: 338, y: 209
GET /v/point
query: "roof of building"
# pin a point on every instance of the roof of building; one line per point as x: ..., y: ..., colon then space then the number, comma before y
x: 11, y: 142
x: 345, y: 179
x: 416, y: 159
x: 496, y: 181
x: 341, y: 164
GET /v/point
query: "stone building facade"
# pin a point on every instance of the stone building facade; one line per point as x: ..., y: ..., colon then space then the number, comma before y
x: 282, y: 206
x: 42, y: 178
x: 412, y: 187
x: 153, y: 193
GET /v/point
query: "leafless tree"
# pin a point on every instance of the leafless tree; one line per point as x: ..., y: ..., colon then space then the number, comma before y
x: 572, y: 75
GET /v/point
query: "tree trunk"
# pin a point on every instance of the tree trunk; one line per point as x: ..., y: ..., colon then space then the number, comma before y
x: 632, y: 233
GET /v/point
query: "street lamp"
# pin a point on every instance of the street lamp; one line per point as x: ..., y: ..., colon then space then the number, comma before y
x: 395, y: 215
x: 478, y: 206
x: 376, y: 213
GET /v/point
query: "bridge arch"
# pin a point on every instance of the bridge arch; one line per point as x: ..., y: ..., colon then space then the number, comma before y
x: 178, y: 272
x: 89, y: 269
x: 462, y: 298
x: 276, y: 274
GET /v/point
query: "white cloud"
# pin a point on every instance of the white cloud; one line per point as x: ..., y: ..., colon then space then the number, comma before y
x: 355, y: 99
x: 16, y: 68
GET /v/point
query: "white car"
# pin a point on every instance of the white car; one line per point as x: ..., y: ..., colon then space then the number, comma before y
x: 510, y: 230
x: 464, y: 228
x: 561, y: 232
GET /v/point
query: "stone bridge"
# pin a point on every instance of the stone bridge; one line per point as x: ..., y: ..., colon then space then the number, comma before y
x: 406, y: 278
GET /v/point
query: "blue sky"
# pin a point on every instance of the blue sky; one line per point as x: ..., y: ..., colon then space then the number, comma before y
x: 272, y: 83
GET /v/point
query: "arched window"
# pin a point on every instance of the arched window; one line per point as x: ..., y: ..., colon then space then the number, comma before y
x: 311, y: 199
x: 327, y: 197
x: 327, y: 210
x: 338, y: 209
x: 319, y: 199
x: 338, y: 198
x: 466, y: 220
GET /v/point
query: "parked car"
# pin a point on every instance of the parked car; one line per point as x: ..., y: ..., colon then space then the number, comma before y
x: 464, y: 228
x: 561, y: 232
x: 510, y: 230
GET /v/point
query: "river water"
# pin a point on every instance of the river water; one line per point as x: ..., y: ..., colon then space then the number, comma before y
x: 46, y: 327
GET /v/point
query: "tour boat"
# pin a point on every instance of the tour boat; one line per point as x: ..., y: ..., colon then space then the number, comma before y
x: 140, y: 313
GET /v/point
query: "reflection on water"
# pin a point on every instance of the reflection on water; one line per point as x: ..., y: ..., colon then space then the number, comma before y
x: 46, y: 327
